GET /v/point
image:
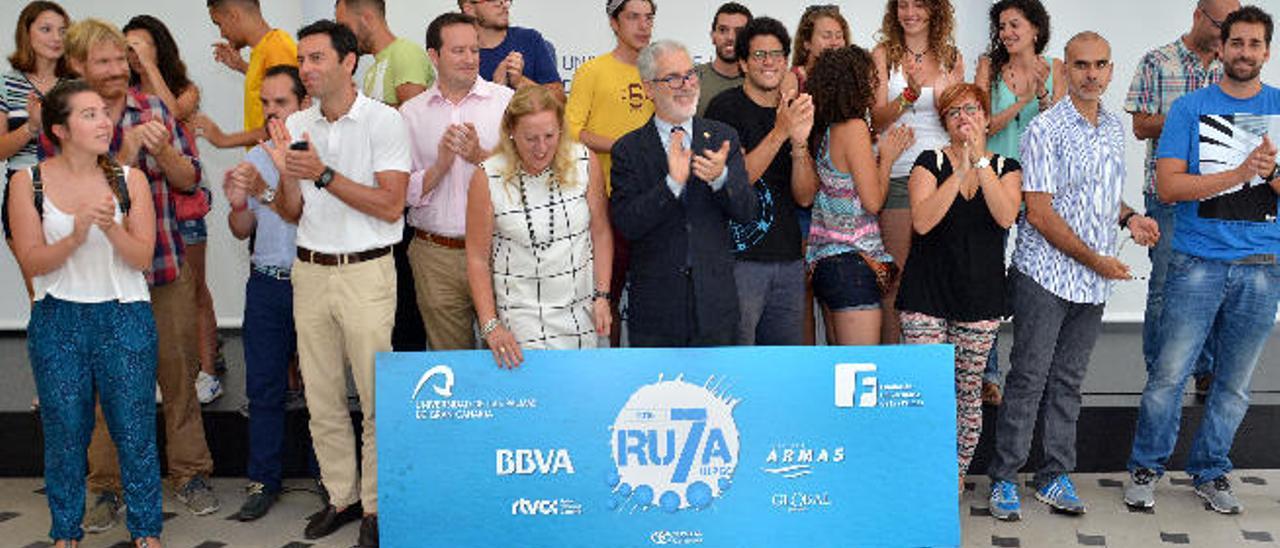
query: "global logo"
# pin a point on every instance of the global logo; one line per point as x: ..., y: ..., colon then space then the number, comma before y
x: 674, y: 446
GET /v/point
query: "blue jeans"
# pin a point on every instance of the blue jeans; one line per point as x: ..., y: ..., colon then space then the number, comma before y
x: 269, y: 344
x: 1159, y: 254
x: 770, y: 302
x: 109, y: 348
x: 1052, y: 341
x: 1235, y: 302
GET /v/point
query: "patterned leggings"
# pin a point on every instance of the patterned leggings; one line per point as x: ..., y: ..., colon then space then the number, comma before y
x: 973, y: 341
x: 109, y: 348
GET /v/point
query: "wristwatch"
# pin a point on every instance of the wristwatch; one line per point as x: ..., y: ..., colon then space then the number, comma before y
x: 268, y: 195
x: 983, y: 162
x: 1275, y: 172
x: 325, y: 178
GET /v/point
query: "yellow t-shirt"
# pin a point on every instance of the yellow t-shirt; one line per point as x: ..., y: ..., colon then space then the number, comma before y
x: 607, y: 98
x: 276, y: 48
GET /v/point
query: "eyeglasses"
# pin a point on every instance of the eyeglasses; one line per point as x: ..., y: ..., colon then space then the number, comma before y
x: 677, y: 81
x: 970, y: 109
x: 493, y: 2
x: 1216, y: 23
x: 764, y: 54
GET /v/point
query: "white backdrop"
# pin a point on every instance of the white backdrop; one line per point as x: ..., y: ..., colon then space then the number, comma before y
x: 580, y: 31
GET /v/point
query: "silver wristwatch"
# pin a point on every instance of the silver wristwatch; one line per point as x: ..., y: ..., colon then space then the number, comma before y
x: 268, y: 195
x: 983, y: 162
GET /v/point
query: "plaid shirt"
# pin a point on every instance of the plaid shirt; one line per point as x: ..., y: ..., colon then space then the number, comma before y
x: 139, y: 109
x: 1165, y: 74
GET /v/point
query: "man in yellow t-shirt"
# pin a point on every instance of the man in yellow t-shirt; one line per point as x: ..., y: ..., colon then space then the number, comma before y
x: 242, y: 25
x: 607, y: 99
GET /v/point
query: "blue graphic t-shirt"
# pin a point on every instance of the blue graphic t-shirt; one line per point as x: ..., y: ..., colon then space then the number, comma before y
x: 1214, y: 132
x: 539, y: 55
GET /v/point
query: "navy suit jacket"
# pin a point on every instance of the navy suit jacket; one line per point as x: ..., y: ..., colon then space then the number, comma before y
x: 677, y: 239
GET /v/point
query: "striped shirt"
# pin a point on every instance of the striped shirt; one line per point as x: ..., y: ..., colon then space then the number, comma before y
x: 139, y: 109
x: 1165, y: 74
x: 14, y: 88
x: 1082, y: 167
x: 840, y: 223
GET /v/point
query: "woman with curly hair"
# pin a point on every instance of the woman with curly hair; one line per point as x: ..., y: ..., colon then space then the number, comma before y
x: 156, y: 68
x: 845, y: 253
x: 916, y: 59
x: 821, y: 28
x: 1021, y: 81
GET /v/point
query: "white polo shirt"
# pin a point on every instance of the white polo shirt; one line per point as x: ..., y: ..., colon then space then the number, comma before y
x: 371, y: 137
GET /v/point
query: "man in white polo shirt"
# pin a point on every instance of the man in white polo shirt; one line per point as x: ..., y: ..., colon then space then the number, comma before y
x: 344, y: 164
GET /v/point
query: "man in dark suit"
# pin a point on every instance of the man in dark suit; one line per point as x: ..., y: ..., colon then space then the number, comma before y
x: 677, y: 181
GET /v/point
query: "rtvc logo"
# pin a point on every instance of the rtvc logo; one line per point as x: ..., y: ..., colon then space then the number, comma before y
x: 856, y: 382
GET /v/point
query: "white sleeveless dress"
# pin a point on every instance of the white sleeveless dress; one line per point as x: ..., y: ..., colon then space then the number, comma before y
x: 543, y: 271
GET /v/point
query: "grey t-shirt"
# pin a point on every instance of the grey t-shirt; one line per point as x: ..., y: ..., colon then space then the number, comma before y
x: 711, y: 84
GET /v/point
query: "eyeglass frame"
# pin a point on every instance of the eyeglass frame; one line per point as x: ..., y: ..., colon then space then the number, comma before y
x: 684, y: 79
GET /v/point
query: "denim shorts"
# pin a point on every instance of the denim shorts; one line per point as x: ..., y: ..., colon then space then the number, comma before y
x: 844, y: 283
x: 193, y: 232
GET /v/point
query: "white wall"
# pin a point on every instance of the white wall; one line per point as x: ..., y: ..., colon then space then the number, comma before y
x: 579, y: 30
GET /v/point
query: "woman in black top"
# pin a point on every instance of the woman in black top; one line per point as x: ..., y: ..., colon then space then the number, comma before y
x: 963, y: 201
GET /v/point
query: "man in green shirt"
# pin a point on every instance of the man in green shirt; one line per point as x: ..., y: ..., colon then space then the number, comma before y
x: 400, y: 68
x: 722, y: 72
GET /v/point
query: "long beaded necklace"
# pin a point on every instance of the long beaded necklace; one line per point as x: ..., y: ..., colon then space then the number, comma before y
x: 528, y: 215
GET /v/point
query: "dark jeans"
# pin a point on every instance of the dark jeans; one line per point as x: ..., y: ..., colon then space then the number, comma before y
x: 269, y: 345
x: 770, y: 302
x: 1052, y: 341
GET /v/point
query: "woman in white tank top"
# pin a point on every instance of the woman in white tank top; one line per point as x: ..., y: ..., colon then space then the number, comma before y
x: 84, y: 229
x: 916, y: 60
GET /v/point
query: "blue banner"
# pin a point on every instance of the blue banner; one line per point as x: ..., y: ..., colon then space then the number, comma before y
x: 818, y: 446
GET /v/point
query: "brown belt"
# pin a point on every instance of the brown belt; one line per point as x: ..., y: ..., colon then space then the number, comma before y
x: 329, y: 259
x: 451, y: 243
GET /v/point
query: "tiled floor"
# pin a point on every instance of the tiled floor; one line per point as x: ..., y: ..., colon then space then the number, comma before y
x: 1180, y: 519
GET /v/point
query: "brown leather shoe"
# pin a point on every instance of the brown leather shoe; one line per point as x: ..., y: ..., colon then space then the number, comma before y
x: 991, y: 394
x: 325, y: 522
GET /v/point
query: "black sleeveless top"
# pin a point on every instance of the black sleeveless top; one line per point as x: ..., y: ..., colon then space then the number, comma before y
x: 956, y: 271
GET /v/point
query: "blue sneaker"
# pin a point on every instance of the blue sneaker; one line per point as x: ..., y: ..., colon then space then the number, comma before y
x: 1005, y: 505
x: 1060, y: 494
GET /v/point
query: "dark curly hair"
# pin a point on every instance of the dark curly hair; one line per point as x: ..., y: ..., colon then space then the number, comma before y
x: 761, y: 26
x: 172, y: 69
x: 842, y: 87
x: 942, y: 39
x: 1035, y: 14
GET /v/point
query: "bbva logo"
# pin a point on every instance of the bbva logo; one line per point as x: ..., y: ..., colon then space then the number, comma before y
x: 856, y: 385
x: 525, y: 462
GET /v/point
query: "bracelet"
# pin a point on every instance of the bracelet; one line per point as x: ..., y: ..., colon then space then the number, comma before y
x: 1124, y: 219
x: 601, y: 294
x: 911, y: 95
x: 488, y: 327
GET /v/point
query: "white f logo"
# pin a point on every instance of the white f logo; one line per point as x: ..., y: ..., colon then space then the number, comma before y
x: 856, y: 381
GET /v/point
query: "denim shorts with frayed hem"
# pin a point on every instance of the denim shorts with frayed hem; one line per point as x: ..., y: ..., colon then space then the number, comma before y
x: 844, y: 283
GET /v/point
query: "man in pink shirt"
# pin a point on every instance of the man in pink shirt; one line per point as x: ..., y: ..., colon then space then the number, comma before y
x: 453, y: 126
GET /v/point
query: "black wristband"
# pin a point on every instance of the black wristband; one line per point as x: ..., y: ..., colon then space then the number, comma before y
x: 1124, y: 219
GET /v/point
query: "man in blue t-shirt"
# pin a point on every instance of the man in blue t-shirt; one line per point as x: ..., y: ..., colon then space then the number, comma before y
x: 1217, y: 162
x: 512, y: 56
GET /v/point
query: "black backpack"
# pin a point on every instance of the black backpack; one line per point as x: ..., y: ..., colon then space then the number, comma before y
x: 120, y: 188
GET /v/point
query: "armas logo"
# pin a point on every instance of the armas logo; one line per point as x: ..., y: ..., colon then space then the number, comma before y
x: 674, y: 446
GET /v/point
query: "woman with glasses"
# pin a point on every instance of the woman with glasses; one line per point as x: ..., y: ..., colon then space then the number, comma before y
x: 539, y: 244
x: 916, y: 59
x: 964, y: 198
x: 845, y: 255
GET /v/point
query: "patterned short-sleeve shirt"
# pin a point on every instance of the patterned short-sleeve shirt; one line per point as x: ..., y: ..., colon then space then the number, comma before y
x: 1082, y: 166
x: 1165, y: 74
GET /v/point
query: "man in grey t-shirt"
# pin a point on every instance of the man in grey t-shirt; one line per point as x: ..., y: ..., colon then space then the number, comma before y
x: 722, y: 73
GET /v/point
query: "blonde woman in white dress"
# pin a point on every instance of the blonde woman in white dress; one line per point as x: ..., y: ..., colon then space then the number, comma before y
x: 539, y: 246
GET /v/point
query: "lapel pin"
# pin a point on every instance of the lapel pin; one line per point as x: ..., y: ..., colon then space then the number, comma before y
x: 706, y: 135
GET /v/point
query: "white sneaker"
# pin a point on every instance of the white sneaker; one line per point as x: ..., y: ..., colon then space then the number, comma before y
x: 208, y: 387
